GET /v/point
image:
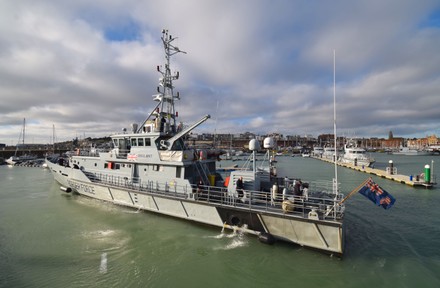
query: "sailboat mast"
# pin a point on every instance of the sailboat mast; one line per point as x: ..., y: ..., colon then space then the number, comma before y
x: 53, y: 137
x: 24, y: 129
x: 335, y: 184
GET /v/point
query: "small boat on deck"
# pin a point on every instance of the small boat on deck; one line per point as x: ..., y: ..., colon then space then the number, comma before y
x: 151, y: 168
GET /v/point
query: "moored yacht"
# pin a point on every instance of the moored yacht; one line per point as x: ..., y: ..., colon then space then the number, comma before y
x: 355, y: 155
x: 17, y: 159
x: 317, y: 151
x: 329, y: 153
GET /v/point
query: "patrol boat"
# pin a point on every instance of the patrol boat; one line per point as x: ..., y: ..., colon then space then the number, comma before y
x: 150, y: 168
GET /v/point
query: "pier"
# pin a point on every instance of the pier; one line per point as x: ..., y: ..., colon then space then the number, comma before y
x: 390, y: 174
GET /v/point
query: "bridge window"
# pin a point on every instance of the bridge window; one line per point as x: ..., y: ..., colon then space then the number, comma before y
x: 147, y: 142
x: 140, y: 141
x: 178, y: 145
x: 133, y: 142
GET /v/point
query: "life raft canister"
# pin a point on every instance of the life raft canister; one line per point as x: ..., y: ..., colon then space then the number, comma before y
x: 227, y: 181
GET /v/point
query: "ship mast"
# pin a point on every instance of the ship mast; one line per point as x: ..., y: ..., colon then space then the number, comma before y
x: 24, y: 129
x: 165, y: 110
x: 335, y: 180
x: 166, y: 95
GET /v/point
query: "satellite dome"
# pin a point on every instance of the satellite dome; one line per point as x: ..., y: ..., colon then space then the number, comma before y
x: 254, y: 145
x: 268, y: 143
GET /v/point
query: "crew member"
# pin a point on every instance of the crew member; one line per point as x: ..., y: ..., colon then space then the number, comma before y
x: 240, y: 187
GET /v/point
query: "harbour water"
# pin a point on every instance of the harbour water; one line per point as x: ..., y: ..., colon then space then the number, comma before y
x: 52, y: 239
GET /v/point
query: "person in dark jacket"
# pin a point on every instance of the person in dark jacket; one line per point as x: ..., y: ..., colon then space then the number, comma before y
x: 240, y: 187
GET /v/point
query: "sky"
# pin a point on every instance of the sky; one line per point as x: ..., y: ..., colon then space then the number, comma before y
x: 88, y: 68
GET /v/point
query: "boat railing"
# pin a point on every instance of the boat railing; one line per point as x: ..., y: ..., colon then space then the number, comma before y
x: 322, y: 204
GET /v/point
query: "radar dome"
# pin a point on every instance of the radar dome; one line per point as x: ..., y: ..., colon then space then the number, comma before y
x: 254, y: 145
x: 268, y: 143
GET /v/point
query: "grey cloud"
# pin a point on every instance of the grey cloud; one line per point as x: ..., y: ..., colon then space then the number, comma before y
x: 268, y: 65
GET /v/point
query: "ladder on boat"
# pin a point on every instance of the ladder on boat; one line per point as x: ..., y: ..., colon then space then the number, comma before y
x: 203, y: 172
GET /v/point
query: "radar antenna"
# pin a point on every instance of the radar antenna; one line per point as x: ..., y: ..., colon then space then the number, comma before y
x: 165, y: 110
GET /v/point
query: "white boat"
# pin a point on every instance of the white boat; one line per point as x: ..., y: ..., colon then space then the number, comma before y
x: 355, y: 155
x: 317, y: 151
x: 329, y: 153
x: 434, y: 149
x: 411, y: 152
x: 150, y: 168
x: 13, y: 160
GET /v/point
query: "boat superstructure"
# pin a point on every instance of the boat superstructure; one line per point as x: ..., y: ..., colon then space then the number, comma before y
x: 151, y: 168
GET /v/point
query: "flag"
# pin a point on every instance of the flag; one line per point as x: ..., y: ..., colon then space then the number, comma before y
x: 377, y: 195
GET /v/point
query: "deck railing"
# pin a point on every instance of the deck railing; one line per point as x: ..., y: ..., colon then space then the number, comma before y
x: 321, y: 202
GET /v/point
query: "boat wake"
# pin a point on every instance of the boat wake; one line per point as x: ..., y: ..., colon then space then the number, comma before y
x: 105, y: 240
x: 236, y: 239
x: 235, y: 243
x: 132, y: 211
x: 103, y: 265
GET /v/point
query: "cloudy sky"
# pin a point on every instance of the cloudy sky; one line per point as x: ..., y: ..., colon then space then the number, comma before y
x: 88, y: 68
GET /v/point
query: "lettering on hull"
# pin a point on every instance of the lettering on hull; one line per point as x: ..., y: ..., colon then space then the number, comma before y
x: 80, y: 187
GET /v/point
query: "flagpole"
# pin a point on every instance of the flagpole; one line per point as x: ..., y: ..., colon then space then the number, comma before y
x: 335, y: 184
x: 354, y: 191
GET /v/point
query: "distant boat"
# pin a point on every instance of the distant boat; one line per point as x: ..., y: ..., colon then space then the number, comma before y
x: 329, y: 153
x: 23, y: 158
x: 317, y: 151
x: 411, y: 152
x: 356, y: 155
x: 19, y: 159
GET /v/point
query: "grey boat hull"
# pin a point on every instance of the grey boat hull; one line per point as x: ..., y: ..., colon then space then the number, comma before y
x: 327, y: 236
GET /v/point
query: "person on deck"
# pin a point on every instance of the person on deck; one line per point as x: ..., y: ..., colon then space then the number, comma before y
x: 162, y: 124
x: 199, y: 189
x: 240, y: 187
x: 297, y: 190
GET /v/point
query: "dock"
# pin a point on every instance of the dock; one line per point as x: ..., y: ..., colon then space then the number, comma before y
x: 414, y: 181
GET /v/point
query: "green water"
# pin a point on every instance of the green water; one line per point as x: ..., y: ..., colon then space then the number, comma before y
x: 51, y: 239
